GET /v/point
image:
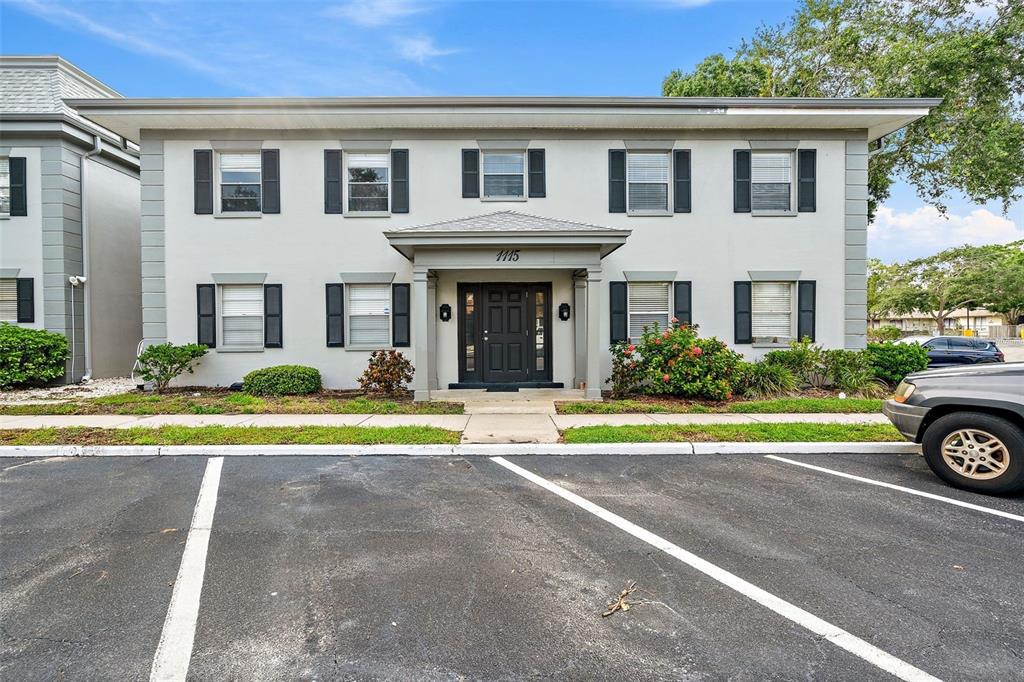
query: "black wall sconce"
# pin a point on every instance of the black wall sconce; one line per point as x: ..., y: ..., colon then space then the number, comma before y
x: 446, y: 312
x: 563, y: 312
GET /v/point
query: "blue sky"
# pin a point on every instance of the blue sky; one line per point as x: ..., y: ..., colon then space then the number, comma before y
x: 169, y: 48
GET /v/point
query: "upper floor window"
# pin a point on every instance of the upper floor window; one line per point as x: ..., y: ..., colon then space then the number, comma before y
x: 5, y: 186
x: 504, y: 175
x: 368, y: 177
x: 647, y: 178
x: 240, y: 182
x: 771, y: 305
x: 771, y: 177
x: 649, y: 303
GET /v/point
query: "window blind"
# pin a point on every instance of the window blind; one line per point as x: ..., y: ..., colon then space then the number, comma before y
x: 503, y: 175
x: 5, y: 186
x: 242, y: 315
x: 368, y: 182
x: 648, y: 304
x: 771, y: 176
x: 369, y: 309
x: 8, y: 299
x: 240, y: 181
x: 647, y: 177
x: 772, y: 309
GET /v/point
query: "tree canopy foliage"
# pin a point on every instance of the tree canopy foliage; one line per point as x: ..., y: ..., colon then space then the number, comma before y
x: 971, y: 54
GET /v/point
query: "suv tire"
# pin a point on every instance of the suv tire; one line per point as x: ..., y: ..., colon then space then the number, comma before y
x: 944, y: 429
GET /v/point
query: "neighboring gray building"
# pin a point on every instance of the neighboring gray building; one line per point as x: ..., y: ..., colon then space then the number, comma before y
x: 69, y: 206
x: 498, y: 240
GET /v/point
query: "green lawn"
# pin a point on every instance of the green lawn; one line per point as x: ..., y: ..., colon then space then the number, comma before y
x: 775, y: 406
x: 228, y: 402
x: 233, y: 435
x: 752, y: 433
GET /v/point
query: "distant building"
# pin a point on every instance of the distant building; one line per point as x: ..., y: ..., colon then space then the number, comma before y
x: 977, y: 319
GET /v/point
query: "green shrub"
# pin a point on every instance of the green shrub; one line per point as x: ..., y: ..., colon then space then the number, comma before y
x: 163, y: 362
x: 851, y: 371
x: 764, y: 380
x: 282, y: 380
x: 625, y: 379
x: 387, y: 373
x: 30, y: 357
x: 804, y: 359
x: 891, y: 362
x: 885, y: 333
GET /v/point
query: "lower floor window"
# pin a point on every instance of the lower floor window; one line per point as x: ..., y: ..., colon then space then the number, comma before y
x: 369, y: 317
x: 649, y: 304
x: 242, y: 316
x: 8, y: 299
x: 772, y: 312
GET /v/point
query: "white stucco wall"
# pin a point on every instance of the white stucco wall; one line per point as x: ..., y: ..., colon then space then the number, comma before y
x: 21, y: 237
x: 302, y: 248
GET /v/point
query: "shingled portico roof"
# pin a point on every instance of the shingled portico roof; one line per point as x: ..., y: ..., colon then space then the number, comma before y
x: 506, y: 228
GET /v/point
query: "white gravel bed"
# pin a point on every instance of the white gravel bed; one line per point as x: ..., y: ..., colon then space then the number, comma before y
x: 96, y: 388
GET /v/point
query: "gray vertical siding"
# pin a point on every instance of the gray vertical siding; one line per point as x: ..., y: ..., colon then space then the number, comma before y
x: 154, y: 288
x: 856, y: 249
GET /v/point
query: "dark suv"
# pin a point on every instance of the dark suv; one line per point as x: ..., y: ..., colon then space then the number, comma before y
x: 961, y: 350
x: 969, y: 422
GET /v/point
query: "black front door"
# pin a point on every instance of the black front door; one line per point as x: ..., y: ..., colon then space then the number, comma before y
x: 506, y: 336
x: 503, y: 330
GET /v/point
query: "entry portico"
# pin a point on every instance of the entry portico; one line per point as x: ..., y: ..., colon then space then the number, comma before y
x: 504, y: 276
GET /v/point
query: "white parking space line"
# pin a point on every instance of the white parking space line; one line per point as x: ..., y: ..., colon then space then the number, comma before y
x: 832, y: 633
x: 891, y: 486
x: 175, y: 648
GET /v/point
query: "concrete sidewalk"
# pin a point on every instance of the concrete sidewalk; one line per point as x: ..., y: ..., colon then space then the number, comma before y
x: 475, y: 428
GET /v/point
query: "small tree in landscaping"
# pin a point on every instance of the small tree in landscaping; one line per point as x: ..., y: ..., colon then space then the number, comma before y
x: 29, y: 357
x: 387, y: 373
x: 165, y: 361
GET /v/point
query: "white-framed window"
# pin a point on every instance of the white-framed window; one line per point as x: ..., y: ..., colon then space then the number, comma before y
x: 241, y: 317
x: 771, y: 182
x: 8, y: 299
x: 504, y: 175
x: 647, y: 182
x: 649, y: 303
x: 368, y: 177
x: 240, y: 176
x: 771, y: 305
x: 5, y: 186
x: 369, y: 315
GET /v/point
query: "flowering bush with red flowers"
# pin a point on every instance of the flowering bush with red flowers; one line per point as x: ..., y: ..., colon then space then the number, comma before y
x: 675, y: 361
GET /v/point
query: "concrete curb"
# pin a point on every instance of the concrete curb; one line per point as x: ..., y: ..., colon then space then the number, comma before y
x: 468, y: 450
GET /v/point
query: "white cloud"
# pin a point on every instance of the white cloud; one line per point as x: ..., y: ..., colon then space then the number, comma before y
x: 376, y: 12
x: 420, y: 48
x: 897, y: 235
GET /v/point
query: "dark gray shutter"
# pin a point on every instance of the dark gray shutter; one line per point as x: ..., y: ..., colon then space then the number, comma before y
x: 19, y: 186
x: 681, y: 171
x: 399, y: 180
x: 741, y: 181
x: 538, y: 184
x: 741, y: 306
x: 206, y: 314
x: 806, y: 180
x: 332, y: 181
x: 806, y: 295
x: 470, y: 173
x: 619, y: 313
x: 272, y: 337
x: 683, y: 302
x: 616, y: 181
x: 26, y: 299
x: 203, y: 181
x: 271, y: 181
x: 400, y: 315
x: 335, y: 315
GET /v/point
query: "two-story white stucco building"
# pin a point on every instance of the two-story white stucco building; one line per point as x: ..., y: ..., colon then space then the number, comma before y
x: 499, y: 241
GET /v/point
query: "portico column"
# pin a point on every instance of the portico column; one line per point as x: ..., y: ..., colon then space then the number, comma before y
x: 595, y: 304
x: 420, y: 342
x: 580, y: 330
x: 432, y: 330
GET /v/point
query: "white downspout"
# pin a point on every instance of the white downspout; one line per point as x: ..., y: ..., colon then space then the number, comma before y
x: 86, y: 317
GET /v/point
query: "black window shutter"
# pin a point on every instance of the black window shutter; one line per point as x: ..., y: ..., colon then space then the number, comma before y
x: 538, y: 183
x: 681, y: 171
x: 26, y: 299
x: 619, y: 318
x: 19, y: 186
x: 742, y: 320
x: 272, y: 316
x: 271, y: 162
x: 400, y: 315
x: 332, y: 181
x: 806, y: 180
x: 616, y: 181
x: 399, y: 180
x: 206, y: 313
x: 806, y: 295
x: 741, y: 181
x: 470, y: 173
x: 682, y: 296
x: 335, y: 315
x: 203, y: 181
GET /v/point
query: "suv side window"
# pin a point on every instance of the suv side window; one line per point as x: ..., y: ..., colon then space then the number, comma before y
x: 961, y: 344
x: 937, y: 344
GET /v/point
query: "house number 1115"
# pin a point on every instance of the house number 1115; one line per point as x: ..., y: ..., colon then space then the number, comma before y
x: 507, y: 256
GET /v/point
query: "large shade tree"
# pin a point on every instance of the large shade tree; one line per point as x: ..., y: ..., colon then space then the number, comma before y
x: 971, y: 54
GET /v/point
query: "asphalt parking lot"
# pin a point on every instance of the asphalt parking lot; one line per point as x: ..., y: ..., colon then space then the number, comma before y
x: 327, y: 568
